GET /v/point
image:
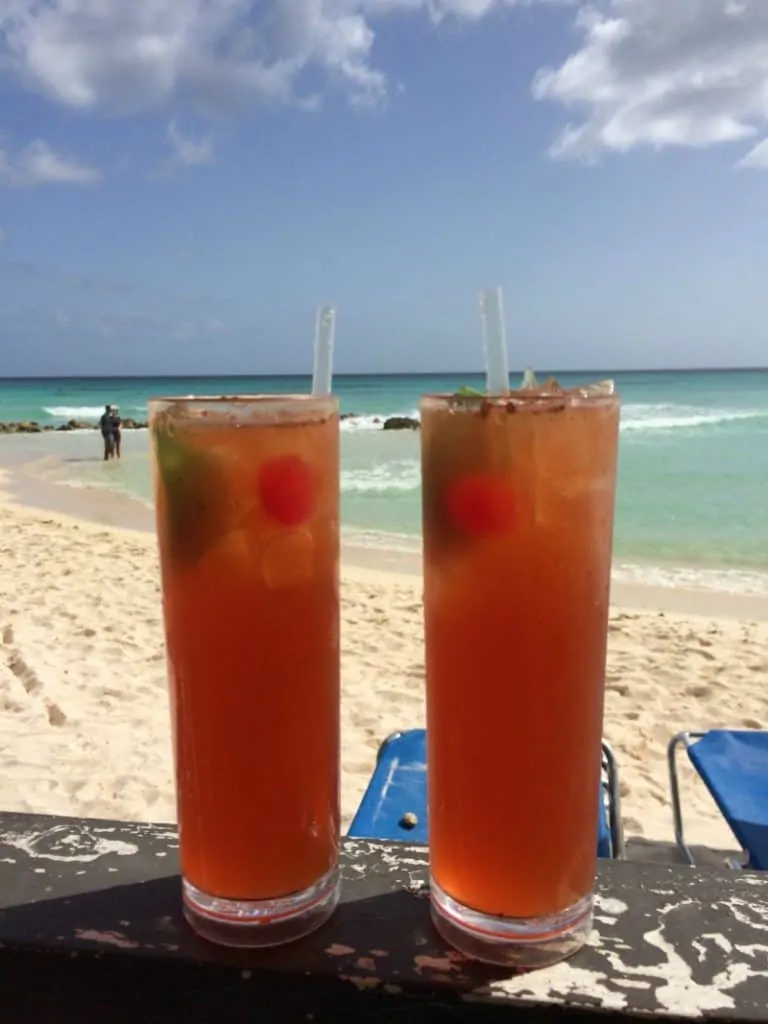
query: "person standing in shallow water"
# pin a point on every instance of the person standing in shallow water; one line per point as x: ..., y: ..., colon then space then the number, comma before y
x: 116, y: 425
x: 106, y: 432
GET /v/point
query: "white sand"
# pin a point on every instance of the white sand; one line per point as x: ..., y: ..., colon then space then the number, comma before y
x: 84, y: 726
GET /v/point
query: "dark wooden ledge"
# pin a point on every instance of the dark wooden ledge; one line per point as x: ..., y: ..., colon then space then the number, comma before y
x: 91, y: 931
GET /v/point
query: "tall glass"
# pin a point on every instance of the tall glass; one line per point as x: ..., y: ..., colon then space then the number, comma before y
x: 518, y: 497
x: 247, y: 499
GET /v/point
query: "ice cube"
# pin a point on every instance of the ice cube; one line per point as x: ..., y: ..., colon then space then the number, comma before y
x: 601, y: 389
x: 236, y: 546
x: 551, y: 388
x: 288, y: 559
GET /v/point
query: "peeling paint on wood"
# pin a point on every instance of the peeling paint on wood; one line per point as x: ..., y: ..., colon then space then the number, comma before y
x: 338, y: 950
x: 63, y: 844
x: 668, y: 942
x: 106, y: 938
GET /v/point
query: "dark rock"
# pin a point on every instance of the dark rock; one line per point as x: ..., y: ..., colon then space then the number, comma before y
x: 75, y: 425
x: 401, y: 423
x: 33, y: 427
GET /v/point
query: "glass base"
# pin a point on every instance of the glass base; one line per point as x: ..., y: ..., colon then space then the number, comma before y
x: 255, y: 924
x: 524, y: 943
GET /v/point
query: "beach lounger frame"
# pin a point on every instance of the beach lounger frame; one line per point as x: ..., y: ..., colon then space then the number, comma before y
x: 682, y: 740
x: 610, y: 768
x: 366, y: 812
x: 687, y: 740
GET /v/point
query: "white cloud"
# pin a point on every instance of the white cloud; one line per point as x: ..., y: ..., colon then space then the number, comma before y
x: 126, y: 55
x: 187, y: 151
x: 38, y: 164
x: 657, y: 73
x: 663, y: 73
x: 757, y: 158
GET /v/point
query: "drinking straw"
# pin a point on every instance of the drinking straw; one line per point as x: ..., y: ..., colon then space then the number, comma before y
x: 495, y: 341
x: 325, y: 331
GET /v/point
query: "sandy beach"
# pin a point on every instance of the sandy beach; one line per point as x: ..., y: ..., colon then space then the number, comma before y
x: 84, y: 726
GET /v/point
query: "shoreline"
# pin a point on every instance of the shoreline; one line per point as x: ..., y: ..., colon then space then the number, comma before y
x: 69, y: 479
x: 107, y: 508
x: 388, y: 421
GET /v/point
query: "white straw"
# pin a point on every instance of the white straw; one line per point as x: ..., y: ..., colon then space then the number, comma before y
x: 325, y: 331
x: 495, y: 341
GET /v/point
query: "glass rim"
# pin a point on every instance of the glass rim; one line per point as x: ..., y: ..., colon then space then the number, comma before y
x: 577, y: 396
x: 239, y: 399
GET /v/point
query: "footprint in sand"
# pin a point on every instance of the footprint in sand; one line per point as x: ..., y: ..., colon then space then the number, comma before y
x: 621, y: 688
x: 56, y: 716
x: 702, y: 654
x: 8, y: 704
x: 33, y: 685
x: 8, y: 634
x: 29, y: 679
x: 699, y: 690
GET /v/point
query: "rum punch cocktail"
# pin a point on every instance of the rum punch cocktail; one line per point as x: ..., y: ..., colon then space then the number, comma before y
x: 247, y: 500
x: 518, y: 500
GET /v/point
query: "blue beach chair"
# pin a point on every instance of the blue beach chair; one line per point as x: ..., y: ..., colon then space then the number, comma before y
x: 394, y: 806
x: 733, y: 764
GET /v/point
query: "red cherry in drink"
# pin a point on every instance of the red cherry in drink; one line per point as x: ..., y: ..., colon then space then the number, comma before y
x: 481, y: 505
x: 287, y: 489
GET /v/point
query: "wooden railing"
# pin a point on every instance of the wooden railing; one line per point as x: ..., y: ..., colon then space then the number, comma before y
x: 91, y: 930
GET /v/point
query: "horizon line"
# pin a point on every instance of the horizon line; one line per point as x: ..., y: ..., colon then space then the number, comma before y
x: 389, y: 373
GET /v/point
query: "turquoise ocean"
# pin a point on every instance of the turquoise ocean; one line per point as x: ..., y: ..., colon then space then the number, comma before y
x: 693, y: 479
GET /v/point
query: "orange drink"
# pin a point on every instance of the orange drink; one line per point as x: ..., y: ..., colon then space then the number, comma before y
x: 518, y: 496
x: 247, y: 500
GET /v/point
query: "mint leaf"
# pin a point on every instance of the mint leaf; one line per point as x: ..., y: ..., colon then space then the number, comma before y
x: 195, y: 490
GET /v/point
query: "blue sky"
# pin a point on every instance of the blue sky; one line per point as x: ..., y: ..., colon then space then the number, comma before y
x: 183, y: 181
